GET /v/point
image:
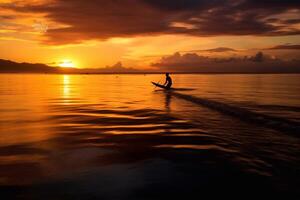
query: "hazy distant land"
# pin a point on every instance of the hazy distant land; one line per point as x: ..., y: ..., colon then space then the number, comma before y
x: 7, y: 66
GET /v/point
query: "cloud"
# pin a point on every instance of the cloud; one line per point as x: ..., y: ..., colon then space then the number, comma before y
x: 214, y: 50
x: 259, y: 57
x: 258, y: 63
x: 285, y: 47
x: 103, y: 19
x: 118, y: 67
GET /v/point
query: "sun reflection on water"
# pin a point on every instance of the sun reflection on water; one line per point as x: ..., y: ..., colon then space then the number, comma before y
x: 66, y: 87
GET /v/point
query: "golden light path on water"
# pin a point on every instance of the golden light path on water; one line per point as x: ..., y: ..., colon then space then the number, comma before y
x: 66, y: 87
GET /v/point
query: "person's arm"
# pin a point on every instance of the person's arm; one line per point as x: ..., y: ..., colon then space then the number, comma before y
x: 166, y: 82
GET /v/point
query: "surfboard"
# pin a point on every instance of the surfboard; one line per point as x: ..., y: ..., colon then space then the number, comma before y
x: 160, y: 86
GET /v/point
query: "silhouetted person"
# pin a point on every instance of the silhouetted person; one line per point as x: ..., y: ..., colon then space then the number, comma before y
x: 168, y: 82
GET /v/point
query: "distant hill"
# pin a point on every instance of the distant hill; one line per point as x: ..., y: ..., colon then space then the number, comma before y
x: 7, y: 66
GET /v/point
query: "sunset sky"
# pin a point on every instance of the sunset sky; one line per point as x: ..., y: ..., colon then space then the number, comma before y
x: 147, y: 33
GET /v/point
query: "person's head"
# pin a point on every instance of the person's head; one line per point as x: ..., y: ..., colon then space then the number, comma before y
x: 167, y: 74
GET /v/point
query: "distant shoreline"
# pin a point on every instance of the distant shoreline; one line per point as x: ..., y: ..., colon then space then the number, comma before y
x: 11, y: 67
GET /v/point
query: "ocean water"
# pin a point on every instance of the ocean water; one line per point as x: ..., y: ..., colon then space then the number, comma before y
x: 119, y: 137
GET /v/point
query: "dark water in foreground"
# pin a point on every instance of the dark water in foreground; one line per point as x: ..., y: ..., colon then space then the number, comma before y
x: 118, y: 137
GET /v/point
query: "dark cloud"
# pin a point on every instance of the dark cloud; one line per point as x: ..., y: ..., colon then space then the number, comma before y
x: 102, y: 19
x: 259, y: 57
x: 7, y: 17
x: 258, y: 63
x: 214, y: 50
x: 285, y: 47
x: 292, y: 21
x: 183, y: 5
x: 279, y: 4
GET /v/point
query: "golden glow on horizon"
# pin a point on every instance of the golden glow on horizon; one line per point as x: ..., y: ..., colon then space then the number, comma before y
x: 139, y: 53
x: 66, y: 64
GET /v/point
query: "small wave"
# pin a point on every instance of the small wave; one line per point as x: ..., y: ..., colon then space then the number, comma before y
x: 280, y: 107
x: 244, y: 114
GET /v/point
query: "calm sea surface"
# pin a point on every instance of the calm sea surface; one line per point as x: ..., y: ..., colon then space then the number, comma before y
x: 119, y: 137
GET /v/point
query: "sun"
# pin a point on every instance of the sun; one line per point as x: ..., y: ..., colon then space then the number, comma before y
x: 66, y: 64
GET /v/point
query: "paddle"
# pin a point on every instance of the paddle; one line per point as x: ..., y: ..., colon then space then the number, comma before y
x: 157, y: 83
